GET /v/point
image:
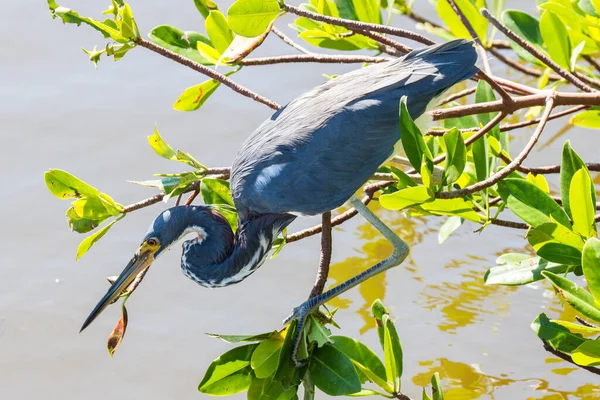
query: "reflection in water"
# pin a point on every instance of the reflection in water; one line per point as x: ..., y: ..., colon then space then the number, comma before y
x: 375, y: 249
x: 461, y: 381
x: 465, y: 302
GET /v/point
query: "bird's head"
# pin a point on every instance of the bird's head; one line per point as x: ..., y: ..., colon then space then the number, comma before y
x: 166, y: 230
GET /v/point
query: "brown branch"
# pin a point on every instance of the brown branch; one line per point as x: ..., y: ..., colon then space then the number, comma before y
x: 289, y: 41
x: 359, y: 26
x: 457, y: 95
x: 492, y: 180
x: 592, y: 62
x: 499, y: 89
x: 562, y: 99
x: 422, y: 20
x: 520, y: 67
x: 211, y: 73
x: 590, y: 81
x: 510, y: 127
x: 389, y: 46
x: 509, y: 224
x: 469, y: 27
x: 317, y: 58
x: 536, y: 53
x: 567, y: 358
x: 325, y: 259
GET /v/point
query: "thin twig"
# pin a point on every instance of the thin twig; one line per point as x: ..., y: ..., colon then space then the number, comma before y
x: 359, y: 26
x: 536, y: 53
x: 499, y: 89
x: 317, y: 58
x: 520, y: 67
x: 510, y: 127
x: 469, y: 27
x: 592, y: 62
x: 492, y: 180
x: 457, y: 96
x: 325, y: 259
x: 192, y: 197
x: 208, y: 72
x: 567, y: 358
x: 508, y: 224
x: 289, y: 41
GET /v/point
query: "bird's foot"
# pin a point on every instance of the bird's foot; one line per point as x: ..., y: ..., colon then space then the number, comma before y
x: 299, y: 314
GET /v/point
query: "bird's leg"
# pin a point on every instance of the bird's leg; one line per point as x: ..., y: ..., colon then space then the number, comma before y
x: 399, y: 253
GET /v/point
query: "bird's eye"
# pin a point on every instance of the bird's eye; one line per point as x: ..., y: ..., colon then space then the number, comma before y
x: 152, y: 242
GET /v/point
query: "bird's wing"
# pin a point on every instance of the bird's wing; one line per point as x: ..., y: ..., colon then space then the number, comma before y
x: 312, y: 155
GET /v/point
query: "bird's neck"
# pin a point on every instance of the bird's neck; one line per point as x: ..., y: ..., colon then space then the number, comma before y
x: 214, y: 262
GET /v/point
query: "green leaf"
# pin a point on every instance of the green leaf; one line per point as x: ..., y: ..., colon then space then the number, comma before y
x: 194, y: 97
x: 570, y: 164
x: 286, y: 368
x: 587, y: 119
x: 69, y: 16
x: 183, y: 43
x: 208, y: 52
x: 266, y: 389
x: 80, y: 224
x: 405, y: 198
x: 575, y: 54
x: 66, y: 186
x: 576, y: 327
x: 477, y: 21
x: 392, y: 351
x: 576, y: 296
x: 252, y: 17
x: 218, y: 31
x: 318, y: 333
x: 378, y: 310
x: 521, y: 271
x: 216, y: 191
x: 89, y: 241
x: 588, y: 353
x: 526, y: 27
x: 436, y: 387
x: 480, y: 151
x: 160, y: 146
x: 266, y: 357
x: 483, y: 94
x: 539, y: 181
x: 569, y: 16
x: 412, y: 138
x: 448, y: 227
x: 367, y: 10
x: 360, y: 353
x: 530, y: 203
x: 230, y: 373
x: 206, y: 6
x: 458, y: 207
x: 583, y: 210
x: 553, y: 232
x: 556, y: 38
x: 243, y: 338
x: 94, y: 208
x: 560, y: 253
x: 591, y: 266
x: 456, y: 158
x: 333, y: 372
x: 559, y: 337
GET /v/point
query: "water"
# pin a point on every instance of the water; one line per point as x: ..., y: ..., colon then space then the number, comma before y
x: 57, y: 111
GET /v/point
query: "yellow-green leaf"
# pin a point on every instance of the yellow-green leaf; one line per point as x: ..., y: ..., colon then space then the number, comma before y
x: 591, y: 266
x: 252, y: 17
x: 89, y: 241
x: 588, y: 353
x: 66, y: 186
x: 582, y: 208
x: 556, y: 39
x: 587, y: 119
x: 405, y: 198
x: 160, y: 146
x: 218, y: 31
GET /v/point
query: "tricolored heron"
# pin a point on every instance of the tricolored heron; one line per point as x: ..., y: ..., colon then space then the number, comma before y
x: 310, y: 157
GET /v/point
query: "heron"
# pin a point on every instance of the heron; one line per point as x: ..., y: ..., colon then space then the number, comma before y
x: 309, y: 157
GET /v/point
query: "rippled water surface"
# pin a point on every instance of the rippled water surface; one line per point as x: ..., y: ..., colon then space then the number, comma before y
x: 57, y: 111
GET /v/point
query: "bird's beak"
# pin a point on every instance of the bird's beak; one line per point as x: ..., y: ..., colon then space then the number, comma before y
x: 140, y: 261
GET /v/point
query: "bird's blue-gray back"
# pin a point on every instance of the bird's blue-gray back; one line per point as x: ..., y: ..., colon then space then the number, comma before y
x: 317, y: 151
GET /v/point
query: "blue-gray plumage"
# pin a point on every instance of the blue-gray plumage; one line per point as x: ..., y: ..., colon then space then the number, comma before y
x: 308, y: 158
